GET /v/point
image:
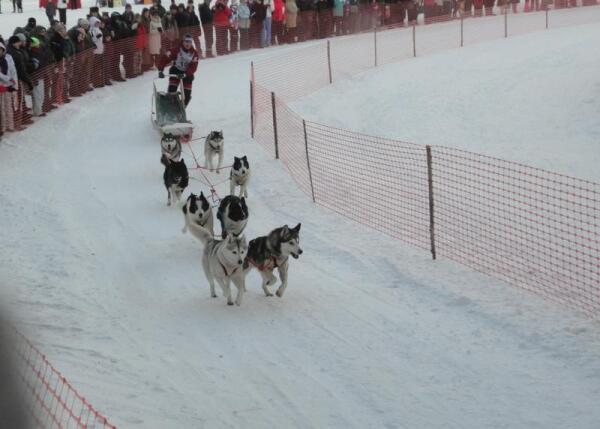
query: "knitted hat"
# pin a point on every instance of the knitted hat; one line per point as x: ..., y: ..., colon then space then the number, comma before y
x: 13, y: 39
x: 35, y: 42
x: 188, y: 38
x: 21, y: 37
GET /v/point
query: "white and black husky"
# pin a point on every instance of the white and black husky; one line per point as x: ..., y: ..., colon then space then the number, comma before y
x: 170, y: 147
x: 213, y: 145
x: 273, y: 251
x: 233, y: 215
x: 176, y: 179
x: 197, y: 210
x: 222, y: 261
x: 239, y: 176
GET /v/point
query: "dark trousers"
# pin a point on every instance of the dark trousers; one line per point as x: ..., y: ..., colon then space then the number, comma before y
x: 174, y: 84
x: 207, y: 29
x: 244, y: 39
x: 233, y: 39
x: 62, y: 16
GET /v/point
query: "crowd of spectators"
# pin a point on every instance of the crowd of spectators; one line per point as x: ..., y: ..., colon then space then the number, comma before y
x: 52, y: 64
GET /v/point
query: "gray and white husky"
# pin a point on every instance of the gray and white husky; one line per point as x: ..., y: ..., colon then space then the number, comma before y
x: 239, y: 176
x: 197, y: 210
x: 273, y: 251
x: 170, y: 147
x: 213, y: 145
x: 222, y: 261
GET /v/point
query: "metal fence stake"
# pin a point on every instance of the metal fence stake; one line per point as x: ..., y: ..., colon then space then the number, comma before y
x: 312, y: 189
x: 275, y: 125
x: 431, y: 212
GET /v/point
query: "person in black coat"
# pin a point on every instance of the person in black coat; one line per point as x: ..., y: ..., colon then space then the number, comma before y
x: 194, y: 27
x: 206, y: 18
x: 16, y: 50
x: 306, y: 20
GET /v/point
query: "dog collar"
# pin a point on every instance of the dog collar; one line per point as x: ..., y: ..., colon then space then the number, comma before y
x: 265, y: 265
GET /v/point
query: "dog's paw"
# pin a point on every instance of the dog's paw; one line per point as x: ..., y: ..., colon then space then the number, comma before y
x: 268, y: 294
x: 214, y: 295
x: 279, y: 292
x: 230, y: 303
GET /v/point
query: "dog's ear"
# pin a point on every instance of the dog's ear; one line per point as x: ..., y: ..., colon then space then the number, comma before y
x: 297, y: 227
x: 183, y: 161
x: 235, y: 159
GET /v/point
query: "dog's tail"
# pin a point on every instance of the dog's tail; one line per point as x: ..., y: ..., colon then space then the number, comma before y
x: 199, y: 232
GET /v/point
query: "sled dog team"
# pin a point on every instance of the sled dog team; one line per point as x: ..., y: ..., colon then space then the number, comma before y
x: 229, y: 259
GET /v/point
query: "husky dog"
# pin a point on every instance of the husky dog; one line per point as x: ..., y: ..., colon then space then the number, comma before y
x: 222, y: 261
x: 213, y: 145
x: 170, y: 147
x: 176, y: 179
x: 273, y: 251
x: 197, y: 210
x: 233, y: 215
x: 239, y: 175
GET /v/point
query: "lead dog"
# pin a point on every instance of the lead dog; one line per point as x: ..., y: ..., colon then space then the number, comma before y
x: 222, y: 260
x: 239, y: 176
x: 273, y: 251
x: 170, y: 147
x: 213, y: 145
x: 197, y: 210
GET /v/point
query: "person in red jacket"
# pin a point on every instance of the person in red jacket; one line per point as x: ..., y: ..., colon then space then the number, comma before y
x: 221, y: 15
x: 184, y: 60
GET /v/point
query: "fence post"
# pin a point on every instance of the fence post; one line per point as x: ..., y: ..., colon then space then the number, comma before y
x: 414, y: 41
x: 312, y: 189
x: 461, y: 30
x: 329, y: 61
x: 546, y: 17
x: 275, y: 125
x: 252, y: 99
x: 431, y: 213
x: 375, y: 41
x: 505, y: 24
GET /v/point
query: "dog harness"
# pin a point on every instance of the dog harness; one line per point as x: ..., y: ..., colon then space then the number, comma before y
x: 269, y: 264
x: 225, y: 270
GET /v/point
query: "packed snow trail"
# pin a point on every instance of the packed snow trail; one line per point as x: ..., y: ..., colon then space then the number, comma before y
x: 370, y: 332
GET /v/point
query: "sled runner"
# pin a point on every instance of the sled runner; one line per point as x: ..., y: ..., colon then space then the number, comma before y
x: 168, y: 113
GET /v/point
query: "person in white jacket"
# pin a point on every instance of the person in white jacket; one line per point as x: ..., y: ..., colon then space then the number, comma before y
x: 62, y: 11
x: 9, y: 82
x: 95, y: 30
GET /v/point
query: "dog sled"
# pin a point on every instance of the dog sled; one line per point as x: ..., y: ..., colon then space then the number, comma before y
x: 168, y: 113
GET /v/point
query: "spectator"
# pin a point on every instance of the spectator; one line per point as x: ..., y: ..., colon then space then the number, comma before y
x: 154, y: 35
x: 354, y: 18
x: 257, y: 23
x: 62, y: 11
x: 325, y: 17
x: 17, y: 6
x: 306, y: 22
x: 278, y: 21
x: 194, y: 27
x: 8, y: 87
x: 266, y: 33
x: 170, y: 32
x: 15, y: 50
x: 63, y: 51
x: 244, y: 24
x: 146, y: 58
x: 206, y: 18
x: 489, y: 7
x: 141, y: 43
x: 51, y: 11
x: 221, y: 14
x: 156, y: 5
x: 184, y: 60
x: 97, y: 36
x: 47, y: 60
x: 39, y: 62
x: 31, y: 24
x: 291, y: 15
x: 233, y: 26
x: 338, y: 16
x: 182, y: 17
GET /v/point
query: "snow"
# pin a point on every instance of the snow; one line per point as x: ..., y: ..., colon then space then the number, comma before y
x: 370, y: 333
x: 534, y: 99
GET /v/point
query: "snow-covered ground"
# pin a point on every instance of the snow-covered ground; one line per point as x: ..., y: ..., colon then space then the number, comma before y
x: 534, y: 99
x: 370, y: 333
